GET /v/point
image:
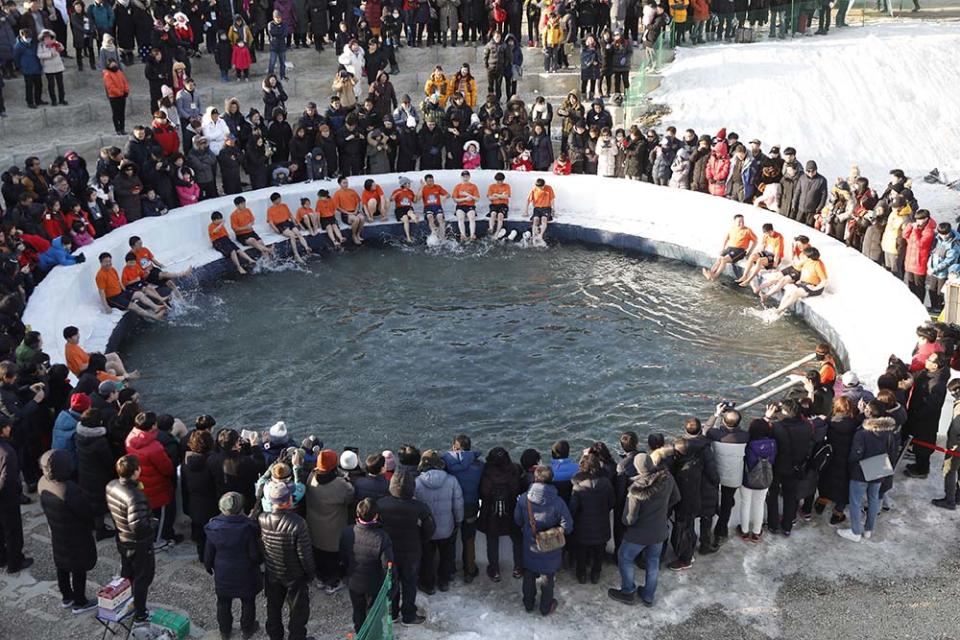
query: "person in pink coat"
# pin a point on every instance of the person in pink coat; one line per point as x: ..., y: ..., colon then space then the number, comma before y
x: 919, y: 235
x: 718, y: 169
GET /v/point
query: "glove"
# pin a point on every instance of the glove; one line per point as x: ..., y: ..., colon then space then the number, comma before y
x: 80, y: 258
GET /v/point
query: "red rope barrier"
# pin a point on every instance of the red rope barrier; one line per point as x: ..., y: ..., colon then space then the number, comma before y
x: 927, y: 445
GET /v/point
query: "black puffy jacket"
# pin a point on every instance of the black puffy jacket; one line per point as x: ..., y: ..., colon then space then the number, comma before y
x: 130, y: 512
x: 95, y: 465
x: 695, y: 469
x: 199, y: 490
x: 406, y: 520
x: 287, y: 552
x: 365, y: 549
x: 590, y: 505
x: 794, y: 438
x: 69, y: 514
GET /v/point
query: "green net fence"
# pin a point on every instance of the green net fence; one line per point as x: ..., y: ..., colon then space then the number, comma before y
x: 379, y: 623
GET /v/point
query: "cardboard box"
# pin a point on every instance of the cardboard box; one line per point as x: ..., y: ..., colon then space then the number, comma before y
x: 116, y: 613
x: 114, y: 593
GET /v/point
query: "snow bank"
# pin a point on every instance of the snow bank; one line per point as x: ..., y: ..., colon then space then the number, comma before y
x: 865, y: 316
x: 881, y: 97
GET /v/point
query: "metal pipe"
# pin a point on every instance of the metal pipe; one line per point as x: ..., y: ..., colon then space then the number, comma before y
x: 780, y: 372
x: 772, y: 392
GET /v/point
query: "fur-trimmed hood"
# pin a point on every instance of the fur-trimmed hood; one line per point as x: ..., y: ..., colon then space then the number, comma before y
x: 646, y: 486
x: 880, y: 425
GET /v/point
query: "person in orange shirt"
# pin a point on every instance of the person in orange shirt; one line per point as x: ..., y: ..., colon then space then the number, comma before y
x: 541, y: 198
x: 327, y: 210
x: 374, y: 201
x: 220, y: 239
x: 241, y: 221
x: 403, y: 198
x: 134, y: 278
x: 346, y: 202
x: 114, y: 296
x: 767, y: 255
x: 738, y: 242
x: 307, y: 219
x: 153, y: 267
x: 281, y: 221
x: 77, y: 359
x: 499, y: 196
x: 433, y: 196
x: 465, y: 195
x: 813, y: 280
x: 789, y: 274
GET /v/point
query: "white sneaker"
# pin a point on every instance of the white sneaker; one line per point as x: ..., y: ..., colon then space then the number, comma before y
x: 849, y: 535
x: 501, y: 234
x: 867, y: 535
x: 332, y: 589
x: 512, y: 236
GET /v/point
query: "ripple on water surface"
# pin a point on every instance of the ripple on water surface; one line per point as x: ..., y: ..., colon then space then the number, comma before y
x: 519, y: 348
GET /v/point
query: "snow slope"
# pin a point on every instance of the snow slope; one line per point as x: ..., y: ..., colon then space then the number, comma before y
x: 882, y: 96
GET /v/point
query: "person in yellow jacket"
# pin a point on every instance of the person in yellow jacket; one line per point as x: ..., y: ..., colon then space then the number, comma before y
x: 891, y: 242
x: 678, y: 11
x: 552, y: 42
x: 437, y: 83
x: 465, y: 83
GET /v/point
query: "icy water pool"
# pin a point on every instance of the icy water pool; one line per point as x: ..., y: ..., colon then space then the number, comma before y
x: 516, y: 347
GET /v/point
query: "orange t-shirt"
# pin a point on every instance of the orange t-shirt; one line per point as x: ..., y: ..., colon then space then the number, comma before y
x: 77, y: 359
x: 774, y: 244
x: 240, y: 219
x: 741, y: 237
x: 143, y: 253
x: 327, y: 208
x: 813, y: 272
x: 499, y: 193
x: 132, y: 274
x: 403, y: 197
x: 302, y: 213
x: 103, y: 376
x: 278, y: 213
x: 109, y: 282
x: 346, y: 200
x: 542, y: 196
x: 432, y: 195
x: 375, y: 194
x: 216, y: 230
x: 468, y: 190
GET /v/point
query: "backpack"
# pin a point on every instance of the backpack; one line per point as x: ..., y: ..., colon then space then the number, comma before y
x: 820, y: 457
x: 761, y: 476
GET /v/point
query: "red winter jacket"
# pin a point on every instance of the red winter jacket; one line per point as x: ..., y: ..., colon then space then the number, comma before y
x: 241, y: 58
x: 166, y: 136
x: 701, y: 10
x: 919, y: 243
x: 718, y: 169
x: 54, y: 224
x: 156, y: 467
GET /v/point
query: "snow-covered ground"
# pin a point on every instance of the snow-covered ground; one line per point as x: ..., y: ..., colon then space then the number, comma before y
x: 881, y: 97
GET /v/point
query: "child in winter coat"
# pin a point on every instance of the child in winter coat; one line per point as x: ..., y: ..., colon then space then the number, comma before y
x: 680, y: 178
x: 117, y: 217
x: 471, y: 155
x: 188, y: 191
x: 241, y: 60
x: 49, y: 50
x: 81, y: 236
x: 224, y: 57
x: 562, y: 165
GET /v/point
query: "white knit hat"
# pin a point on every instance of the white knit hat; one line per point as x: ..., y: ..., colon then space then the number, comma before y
x: 349, y: 461
x: 279, y: 431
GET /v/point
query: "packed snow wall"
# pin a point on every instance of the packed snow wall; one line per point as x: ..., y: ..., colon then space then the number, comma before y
x: 865, y: 314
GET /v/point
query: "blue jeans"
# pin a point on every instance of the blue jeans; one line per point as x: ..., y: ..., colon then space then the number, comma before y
x: 857, y: 491
x: 281, y: 58
x: 774, y: 15
x: 628, y: 552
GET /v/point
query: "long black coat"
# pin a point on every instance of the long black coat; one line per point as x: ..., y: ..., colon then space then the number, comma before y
x: 233, y: 554
x: 95, y: 465
x: 926, y: 402
x: 695, y: 470
x: 10, y: 486
x: 499, y: 488
x: 69, y: 513
x: 590, y: 505
x: 199, y: 489
x: 834, y: 481
x: 407, y: 521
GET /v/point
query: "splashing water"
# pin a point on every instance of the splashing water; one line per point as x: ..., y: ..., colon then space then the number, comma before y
x: 767, y: 315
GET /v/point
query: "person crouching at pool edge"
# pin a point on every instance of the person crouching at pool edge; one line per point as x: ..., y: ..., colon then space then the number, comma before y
x: 114, y: 296
x: 465, y: 195
x: 327, y: 211
x: 221, y: 241
x: 281, y: 221
x: 433, y: 196
x: 403, y: 198
x: 542, y: 198
x: 307, y: 219
x: 738, y: 242
x: 374, y: 201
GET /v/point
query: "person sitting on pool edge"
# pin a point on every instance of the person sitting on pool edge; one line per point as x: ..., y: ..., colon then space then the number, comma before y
x: 374, y: 202
x: 346, y: 202
x: 327, y: 212
x: 114, y: 296
x: 403, y: 198
x: 433, y: 196
x: 133, y: 278
x: 307, y: 219
x: 788, y: 275
x: 153, y: 268
x: 813, y: 280
x: 542, y: 198
x: 221, y: 241
x: 738, y: 242
x: 766, y: 256
x: 465, y: 195
x: 77, y: 358
x: 241, y: 221
x: 281, y: 221
x: 498, y: 194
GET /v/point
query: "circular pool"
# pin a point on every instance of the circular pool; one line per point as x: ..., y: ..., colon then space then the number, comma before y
x: 516, y: 347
